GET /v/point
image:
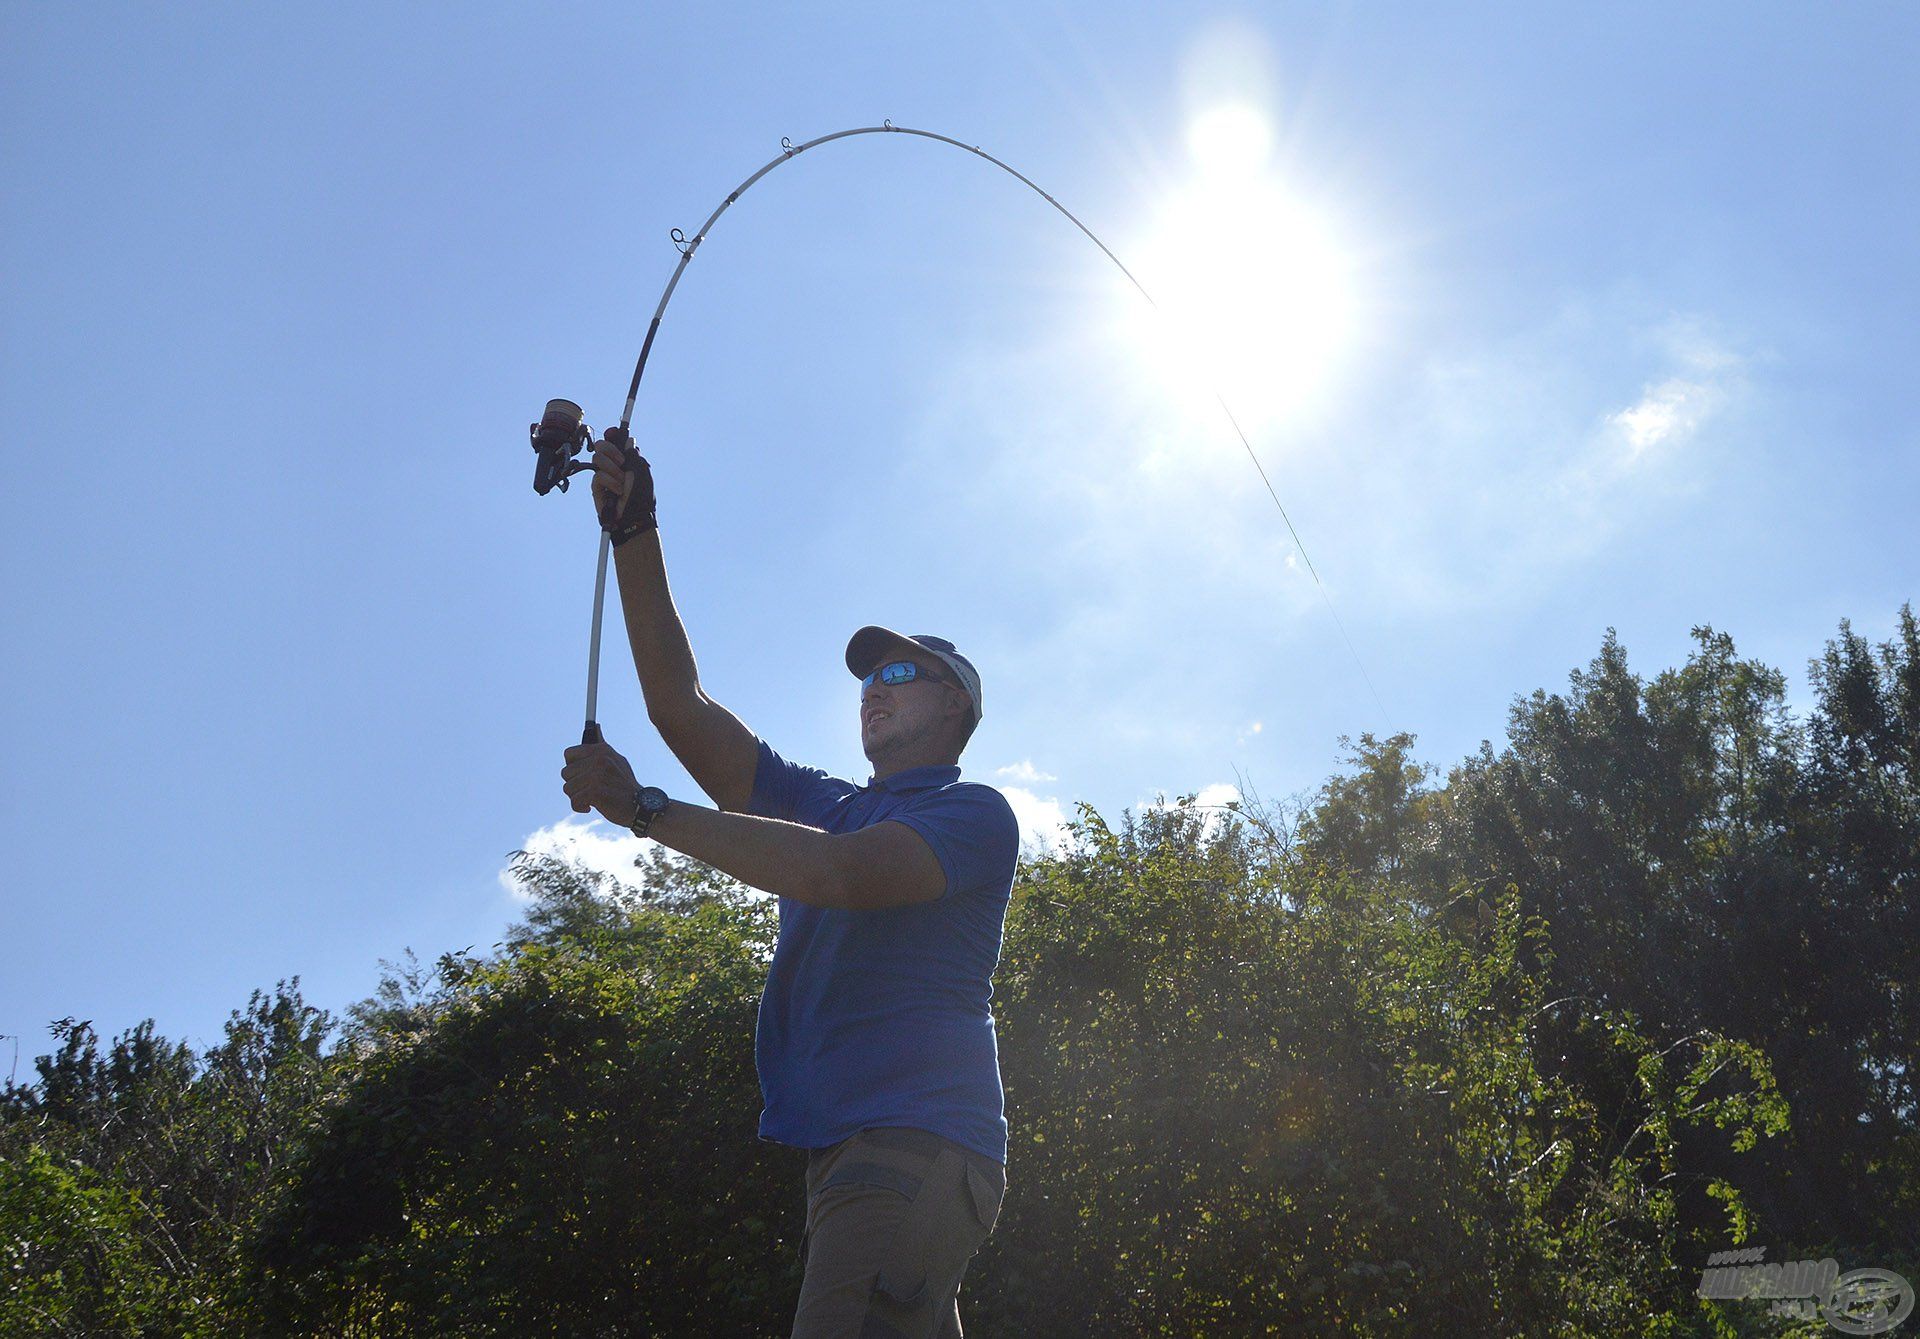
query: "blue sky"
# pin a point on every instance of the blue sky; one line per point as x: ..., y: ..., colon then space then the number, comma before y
x: 1541, y: 321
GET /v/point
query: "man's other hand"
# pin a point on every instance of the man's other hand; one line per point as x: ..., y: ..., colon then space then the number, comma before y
x: 596, y: 777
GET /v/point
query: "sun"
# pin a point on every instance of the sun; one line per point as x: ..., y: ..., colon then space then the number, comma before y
x: 1254, y: 293
x: 1230, y: 138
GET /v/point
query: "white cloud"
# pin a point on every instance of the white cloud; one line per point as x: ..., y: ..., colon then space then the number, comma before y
x: 1042, y: 821
x: 1210, y: 800
x: 589, y: 842
x: 1672, y: 411
x: 1219, y: 793
x: 1667, y: 414
x: 1514, y: 461
x: 1024, y: 770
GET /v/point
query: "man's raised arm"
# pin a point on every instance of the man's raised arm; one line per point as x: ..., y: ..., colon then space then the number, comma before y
x: 717, y: 750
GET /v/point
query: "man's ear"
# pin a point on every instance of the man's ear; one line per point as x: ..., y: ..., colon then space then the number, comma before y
x: 959, y: 709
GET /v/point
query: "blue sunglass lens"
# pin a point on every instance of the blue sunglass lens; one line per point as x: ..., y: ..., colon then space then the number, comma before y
x: 901, y: 671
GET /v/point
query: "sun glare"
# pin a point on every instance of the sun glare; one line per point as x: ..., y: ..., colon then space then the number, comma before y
x: 1230, y: 138
x: 1253, y: 290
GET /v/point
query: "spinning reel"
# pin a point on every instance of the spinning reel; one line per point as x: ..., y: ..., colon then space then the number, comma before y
x: 558, y: 437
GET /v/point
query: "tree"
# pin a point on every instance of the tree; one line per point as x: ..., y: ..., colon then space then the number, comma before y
x: 1246, y: 1095
x: 160, y: 1159
x: 561, y: 1140
x: 1706, y: 861
x: 76, y: 1255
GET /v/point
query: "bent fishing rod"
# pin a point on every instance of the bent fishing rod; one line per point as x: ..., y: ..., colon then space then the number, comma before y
x: 560, y: 435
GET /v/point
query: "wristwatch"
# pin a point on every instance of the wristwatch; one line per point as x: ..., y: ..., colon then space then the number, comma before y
x: 651, y: 803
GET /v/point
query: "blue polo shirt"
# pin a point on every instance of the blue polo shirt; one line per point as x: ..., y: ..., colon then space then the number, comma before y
x: 881, y: 1017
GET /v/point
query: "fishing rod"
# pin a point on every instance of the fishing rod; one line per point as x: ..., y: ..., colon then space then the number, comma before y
x: 560, y: 435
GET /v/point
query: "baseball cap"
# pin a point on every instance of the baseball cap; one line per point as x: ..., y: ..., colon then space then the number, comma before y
x: 871, y: 644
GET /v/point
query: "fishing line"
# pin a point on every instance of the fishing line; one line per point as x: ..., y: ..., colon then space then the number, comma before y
x: 551, y: 471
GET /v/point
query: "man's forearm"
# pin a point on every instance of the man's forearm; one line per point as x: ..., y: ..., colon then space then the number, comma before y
x: 661, y: 654
x: 786, y: 859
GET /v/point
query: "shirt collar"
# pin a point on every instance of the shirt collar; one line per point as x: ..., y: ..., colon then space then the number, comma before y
x: 917, y: 778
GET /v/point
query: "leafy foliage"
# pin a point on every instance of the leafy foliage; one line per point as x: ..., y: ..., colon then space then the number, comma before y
x: 1247, y: 1094
x: 129, y: 1178
x: 532, y: 1146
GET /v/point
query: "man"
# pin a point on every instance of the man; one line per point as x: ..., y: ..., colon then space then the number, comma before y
x: 875, y: 1044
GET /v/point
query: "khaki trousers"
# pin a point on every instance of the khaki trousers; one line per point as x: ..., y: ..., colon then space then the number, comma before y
x: 893, y: 1217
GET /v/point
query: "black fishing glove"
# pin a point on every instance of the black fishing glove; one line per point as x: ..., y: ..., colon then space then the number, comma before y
x: 622, y: 487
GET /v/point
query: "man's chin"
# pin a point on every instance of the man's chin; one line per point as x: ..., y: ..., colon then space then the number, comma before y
x: 876, y: 747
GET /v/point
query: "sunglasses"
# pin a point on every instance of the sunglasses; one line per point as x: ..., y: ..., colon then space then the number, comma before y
x: 899, y: 672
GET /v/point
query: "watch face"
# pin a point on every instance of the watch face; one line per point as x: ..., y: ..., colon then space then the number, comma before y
x: 652, y: 799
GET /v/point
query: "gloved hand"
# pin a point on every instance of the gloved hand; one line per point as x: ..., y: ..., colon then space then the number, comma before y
x: 622, y: 487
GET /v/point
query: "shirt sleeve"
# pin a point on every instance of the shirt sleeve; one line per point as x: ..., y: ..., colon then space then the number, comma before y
x: 973, y: 833
x: 788, y: 791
